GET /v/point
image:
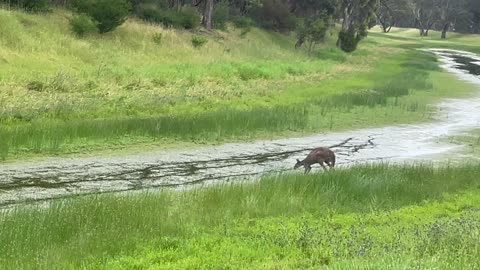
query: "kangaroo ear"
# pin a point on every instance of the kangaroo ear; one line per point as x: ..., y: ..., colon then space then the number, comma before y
x: 298, y: 160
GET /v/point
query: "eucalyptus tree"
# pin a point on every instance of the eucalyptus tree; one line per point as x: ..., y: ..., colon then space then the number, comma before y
x: 315, y: 17
x: 356, y: 15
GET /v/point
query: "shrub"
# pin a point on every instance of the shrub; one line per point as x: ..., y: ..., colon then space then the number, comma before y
x: 190, y: 18
x: 82, y: 25
x: 36, y: 86
x: 36, y: 5
x: 187, y: 18
x: 157, y: 38
x: 30, y: 5
x: 276, y: 15
x: 198, y: 41
x: 318, y: 30
x: 348, y: 41
x: 108, y: 14
x: 221, y: 15
x: 242, y: 22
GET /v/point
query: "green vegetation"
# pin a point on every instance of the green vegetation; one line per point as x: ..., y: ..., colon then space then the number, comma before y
x: 29, y: 5
x: 81, y: 25
x: 108, y: 14
x: 470, y: 140
x: 143, y: 84
x: 64, y: 88
x: 370, y: 216
x: 187, y: 18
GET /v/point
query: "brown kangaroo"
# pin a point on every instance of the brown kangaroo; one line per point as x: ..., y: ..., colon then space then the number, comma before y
x: 319, y: 155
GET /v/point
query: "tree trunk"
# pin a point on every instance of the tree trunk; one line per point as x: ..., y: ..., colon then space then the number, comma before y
x: 208, y: 14
x: 345, y: 24
x: 429, y: 26
x: 384, y: 26
x: 422, y: 32
x: 389, y: 28
x: 444, y: 30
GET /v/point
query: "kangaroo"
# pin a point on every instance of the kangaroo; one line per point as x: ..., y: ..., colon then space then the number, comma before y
x: 319, y: 155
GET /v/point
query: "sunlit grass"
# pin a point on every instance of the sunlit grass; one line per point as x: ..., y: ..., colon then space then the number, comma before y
x: 372, y: 215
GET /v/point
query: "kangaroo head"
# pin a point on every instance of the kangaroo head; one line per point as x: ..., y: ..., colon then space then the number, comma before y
x: 298, y: 164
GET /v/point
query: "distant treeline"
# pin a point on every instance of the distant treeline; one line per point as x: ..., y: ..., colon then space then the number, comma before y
x: 310, y: 19
x: 442, y: 15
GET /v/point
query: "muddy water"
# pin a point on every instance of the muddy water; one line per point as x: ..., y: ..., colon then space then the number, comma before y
x: 63, y: 177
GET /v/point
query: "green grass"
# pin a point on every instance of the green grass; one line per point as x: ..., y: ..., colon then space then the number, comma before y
x: 302, y: 108
x: 388, y: 217
x: 471, y: 141
x: 61, y: 94
x: 409, y: 38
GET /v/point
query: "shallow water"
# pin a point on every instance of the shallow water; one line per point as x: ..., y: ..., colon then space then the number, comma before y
x: 61, y: 177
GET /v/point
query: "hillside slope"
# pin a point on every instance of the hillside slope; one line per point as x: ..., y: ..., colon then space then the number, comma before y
x: 144, y: 84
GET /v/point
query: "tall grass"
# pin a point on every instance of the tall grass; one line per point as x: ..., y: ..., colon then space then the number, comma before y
x: 61, y: 94
x: 67, y: 128
x: 363, y: 213
x: 54, y: 135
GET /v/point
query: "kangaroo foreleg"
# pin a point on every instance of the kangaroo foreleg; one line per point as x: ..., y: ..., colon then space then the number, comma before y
x: 323, y: 165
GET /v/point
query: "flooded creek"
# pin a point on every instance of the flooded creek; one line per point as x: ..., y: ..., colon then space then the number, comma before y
x: 62, y: 177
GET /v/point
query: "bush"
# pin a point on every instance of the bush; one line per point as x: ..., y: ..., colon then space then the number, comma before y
x: 108, y: 14
x: 242, y: 22
x: 277, y: 16
x: 157, y: 38
x: 221, y: 15
x: 198, y: 41
x: 36, y: 86
x: 82, y: 25
x: 187, y: 18
x: 348, y: 41
x: 30, y: 5
x: 190, y: 18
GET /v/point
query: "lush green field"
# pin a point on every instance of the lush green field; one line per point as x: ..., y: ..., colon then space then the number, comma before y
x: 381, y: 217
x: 60, y: 94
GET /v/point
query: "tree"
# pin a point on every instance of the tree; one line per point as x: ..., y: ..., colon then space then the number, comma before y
x: 474, y: 7
x: 449, y: 11
x: 386, y: 14
x: 277, y: 15
x: 425, y: 13
x: 108, y: 14
x: 312, y: 31
x: 356, y: 15
x: 315, y: 19
x: 29, y: 5
x: 208, y: 14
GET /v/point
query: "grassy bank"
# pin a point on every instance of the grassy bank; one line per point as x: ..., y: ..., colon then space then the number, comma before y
x: 60, y: 94
x: 371, y: 216
x: 470, y: 140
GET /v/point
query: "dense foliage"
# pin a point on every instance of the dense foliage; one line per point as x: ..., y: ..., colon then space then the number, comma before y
x: 309, y: 18
x: 108, y: 14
